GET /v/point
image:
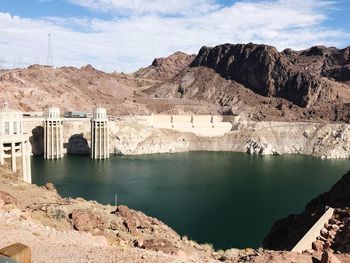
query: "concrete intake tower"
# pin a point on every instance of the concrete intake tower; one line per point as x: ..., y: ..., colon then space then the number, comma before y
x: 99, y: 134
x: 14, y: 144
x: 53, y: 134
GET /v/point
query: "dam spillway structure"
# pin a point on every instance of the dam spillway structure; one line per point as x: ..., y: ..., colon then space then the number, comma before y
x: 14, y: 143
x: 99, y: 134
x: 53, y: 134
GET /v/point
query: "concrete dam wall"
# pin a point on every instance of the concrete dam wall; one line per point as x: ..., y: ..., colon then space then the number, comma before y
x: 201, y: 125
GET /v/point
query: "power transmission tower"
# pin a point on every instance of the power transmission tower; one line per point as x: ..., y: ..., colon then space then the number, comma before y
x: 49, y: 52
x: 2, y: 63
x: 18, y: 62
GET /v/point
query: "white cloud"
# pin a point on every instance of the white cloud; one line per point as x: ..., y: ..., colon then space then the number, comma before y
x: 160, y: 7
x: 129, y: 42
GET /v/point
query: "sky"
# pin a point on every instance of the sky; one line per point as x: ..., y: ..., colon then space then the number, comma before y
x: 124, y: 35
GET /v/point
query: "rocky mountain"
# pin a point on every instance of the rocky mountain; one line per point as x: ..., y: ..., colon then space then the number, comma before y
x: 286, y: 232
x: 165, y: 68
x: 304, y: 78
x: 266, y: 84
x: 256, y: 81
x: 70, y: 88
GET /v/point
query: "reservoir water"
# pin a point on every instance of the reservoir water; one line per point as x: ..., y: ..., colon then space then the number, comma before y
x: 226, y: 199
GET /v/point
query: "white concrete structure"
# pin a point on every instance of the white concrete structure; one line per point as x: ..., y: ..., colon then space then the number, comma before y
x: 14, y: 144
x: 53, y: 134
x: 306, y: 242
x: 201, y: 125
x: 99, y: 134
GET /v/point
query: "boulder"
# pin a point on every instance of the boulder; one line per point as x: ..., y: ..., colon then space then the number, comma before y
x: 84, y: 220
x: 324, y: 233
x: 333, y: 221
x: 328, y: 257
x: 7, y: 198
x: 335, y: 228
x: 50, y: 187
x: 331, y: 233
x: 133, y: 220
x: 123, y: 211
x: 159, y: 244
x: 318, y: 246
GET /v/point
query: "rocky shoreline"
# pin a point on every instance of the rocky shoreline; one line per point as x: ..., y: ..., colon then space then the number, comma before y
x: 75, y: 230
x: 119, y: 226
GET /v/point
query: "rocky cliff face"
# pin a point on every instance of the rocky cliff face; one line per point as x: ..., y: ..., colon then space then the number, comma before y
x: 288, y: 231
x: 261, y: 83
x: 304, y: 78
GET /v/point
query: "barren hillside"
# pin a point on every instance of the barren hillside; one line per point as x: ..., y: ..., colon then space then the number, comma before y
x: 165, y: 68
x: 266, y: 84
x: 70, y: 88
x: 67, y: 87
x: 255, y: 81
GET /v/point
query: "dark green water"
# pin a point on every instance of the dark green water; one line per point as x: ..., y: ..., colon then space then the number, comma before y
x: 227, y: 199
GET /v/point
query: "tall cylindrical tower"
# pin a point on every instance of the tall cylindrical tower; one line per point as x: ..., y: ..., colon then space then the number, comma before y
x: 14, y: 144
x: 99, y: 134
x: 53, y: 134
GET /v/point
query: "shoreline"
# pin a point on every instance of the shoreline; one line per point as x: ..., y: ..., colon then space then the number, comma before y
x: 324, y: 140
x: 88, y: 231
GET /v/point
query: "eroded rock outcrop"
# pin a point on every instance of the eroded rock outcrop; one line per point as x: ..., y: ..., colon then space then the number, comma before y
x: 295, y: 76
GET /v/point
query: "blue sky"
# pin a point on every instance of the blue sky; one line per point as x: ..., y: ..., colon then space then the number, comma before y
x: 37, y: 9
x: 124, y: 35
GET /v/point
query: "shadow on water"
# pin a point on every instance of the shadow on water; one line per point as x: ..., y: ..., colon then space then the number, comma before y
x: 227, y: 199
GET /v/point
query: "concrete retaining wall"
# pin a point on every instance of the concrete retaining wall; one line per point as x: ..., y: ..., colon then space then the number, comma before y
x: 201, y: 125
x: 306, y: 242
